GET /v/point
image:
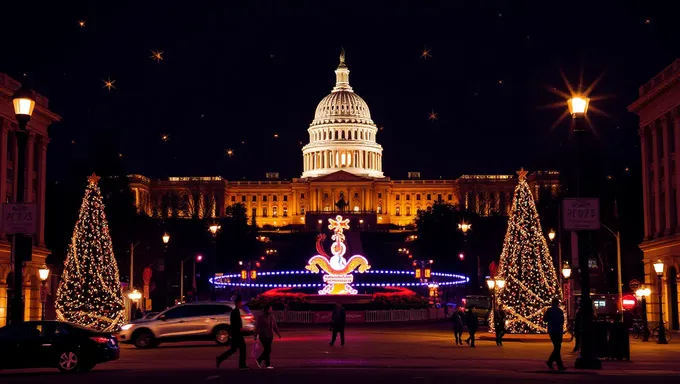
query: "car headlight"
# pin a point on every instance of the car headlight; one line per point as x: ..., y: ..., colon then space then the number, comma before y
x: 126, y: 327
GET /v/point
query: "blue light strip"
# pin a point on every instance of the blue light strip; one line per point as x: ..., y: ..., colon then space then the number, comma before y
x: 463, y: 280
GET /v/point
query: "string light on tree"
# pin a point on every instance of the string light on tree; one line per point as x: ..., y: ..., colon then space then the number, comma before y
x: 526, y: 266
x: 89, y: 293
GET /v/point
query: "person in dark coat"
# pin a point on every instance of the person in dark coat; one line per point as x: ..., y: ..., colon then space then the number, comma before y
x: 238, y: 342
x: 458, y: 319
x: 472, y: 323
x: 338, y: 324
x: 554, y: 317
x: 499, y: 324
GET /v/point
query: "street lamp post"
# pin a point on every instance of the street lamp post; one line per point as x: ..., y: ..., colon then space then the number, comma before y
x: 43, y: 273
x: 214, y: 230
x: 643, y: 293
x: 181, y: 275
x: 465, y: 227
x: 24, y: 102
x: 658, y: 268
x: 566, y: 273
x: 578, y: 107
x: 494, y: 285
x: 134, y: 296
x: 617, y: 235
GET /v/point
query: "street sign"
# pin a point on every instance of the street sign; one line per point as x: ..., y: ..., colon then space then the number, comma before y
x: 146, y: 291
x: 19, y: 218
x: 581, y: 214
x: 43, y: 293
x: 634, y: 285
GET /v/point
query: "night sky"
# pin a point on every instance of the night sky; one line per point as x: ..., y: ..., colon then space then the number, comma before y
x: 235, y: 72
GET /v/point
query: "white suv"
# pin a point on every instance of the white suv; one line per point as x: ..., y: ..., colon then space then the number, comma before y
x: 184, y: 322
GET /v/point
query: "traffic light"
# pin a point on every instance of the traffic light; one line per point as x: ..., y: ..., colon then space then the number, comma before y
x: 428, y: 273
x: 253, y: 274
x: 419, y: 273
x: 244, y: 274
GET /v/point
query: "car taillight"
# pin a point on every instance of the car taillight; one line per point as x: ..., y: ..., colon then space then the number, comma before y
x: 100, y: 339
x: 248, y: 317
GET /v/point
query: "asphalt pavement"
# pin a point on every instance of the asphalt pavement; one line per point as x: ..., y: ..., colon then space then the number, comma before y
x: 408, y: 353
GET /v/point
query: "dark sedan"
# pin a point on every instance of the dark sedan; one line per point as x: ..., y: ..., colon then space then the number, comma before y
x: 54, y: 344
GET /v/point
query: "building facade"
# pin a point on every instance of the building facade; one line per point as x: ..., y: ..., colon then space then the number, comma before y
x: 658, y: 107
x: 34, y: 192
x: 342, y: 171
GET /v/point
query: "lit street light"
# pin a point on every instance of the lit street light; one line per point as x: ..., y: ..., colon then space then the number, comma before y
x: 22, y: 245
x: 578, y: 106
x: 551, y: 235
x: 566, y: 273
x: 214, y: 230
x: 44, y: 274
x: 181, y: 276
x: 643, y: 293
x: 658, y: 268
x: 166, y: 238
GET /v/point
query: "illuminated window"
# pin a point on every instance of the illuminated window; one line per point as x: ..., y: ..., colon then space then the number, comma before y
x: 285, y: 211
x: 275, y: 211
x: 302, y: 210
x: 343, y: 158
x: 326, y: 208
x: 398, y: 212
x: 356, y: 208
x: 379, y: 210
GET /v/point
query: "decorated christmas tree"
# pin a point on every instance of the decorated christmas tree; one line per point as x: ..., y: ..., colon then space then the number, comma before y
x: 90, y: 293
x: 526, y: 266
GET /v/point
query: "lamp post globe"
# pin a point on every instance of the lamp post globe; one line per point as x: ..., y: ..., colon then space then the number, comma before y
x: 566, y: 271
x: 658, y: 268
x: 490, y: 283
x: 578, y: 106
x: 166, y: 238
x: 500, y: 283
x: 43, y: 273
x: 24, y: 103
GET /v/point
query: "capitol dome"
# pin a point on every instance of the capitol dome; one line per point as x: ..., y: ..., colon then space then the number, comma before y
x: 342, y: 134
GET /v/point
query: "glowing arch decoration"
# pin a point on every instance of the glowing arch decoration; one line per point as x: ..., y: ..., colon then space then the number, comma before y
x: 338, y: 270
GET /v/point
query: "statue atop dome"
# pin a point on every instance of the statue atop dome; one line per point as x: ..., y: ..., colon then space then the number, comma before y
x: 342, y: 56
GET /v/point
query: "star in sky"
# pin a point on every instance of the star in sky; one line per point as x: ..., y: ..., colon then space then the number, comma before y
x: 156, y: 55
x: 229, y: 152
x: 425, y: 53
x: 109, y: 84
x: 165, y: 137
x: 81, y: 23
x: 276, y: 135
x: 120, y: 155
x: 243, y: 142
x: 433, y: 116
x: 648, y: 21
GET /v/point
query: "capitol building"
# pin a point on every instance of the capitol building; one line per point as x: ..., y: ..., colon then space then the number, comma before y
x: 341, y: 172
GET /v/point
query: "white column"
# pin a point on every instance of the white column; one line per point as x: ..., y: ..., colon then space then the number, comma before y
x: 667, y: 175
x: 656, y: 180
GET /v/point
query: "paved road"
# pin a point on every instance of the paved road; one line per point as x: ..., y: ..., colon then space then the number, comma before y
x: 398, y: 354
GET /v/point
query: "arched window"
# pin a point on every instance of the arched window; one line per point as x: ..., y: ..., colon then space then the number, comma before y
x: 379, y: 210
x: 356, y: 208
x: 275, y: 211
x: 408, y: 210
x: 397, y: 211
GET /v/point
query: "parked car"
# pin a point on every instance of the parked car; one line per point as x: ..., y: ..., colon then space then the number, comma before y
x: 55, y: 344
x: 185, y: 322
x: 150, y: 315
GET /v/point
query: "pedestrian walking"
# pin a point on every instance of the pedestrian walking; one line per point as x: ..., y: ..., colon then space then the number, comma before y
x: 499, y: 325
x: 338, y: 324
x: 458, y: 318
x: 265, y: 329
x: 472, y: 323
x: 554, y: 316
x: 238, y: 343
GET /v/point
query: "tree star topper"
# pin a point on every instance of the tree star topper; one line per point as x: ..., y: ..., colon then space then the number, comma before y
x: 156, y: 55
x: 108, y: 83
x: 94, y: 179
x: 522, y: 174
